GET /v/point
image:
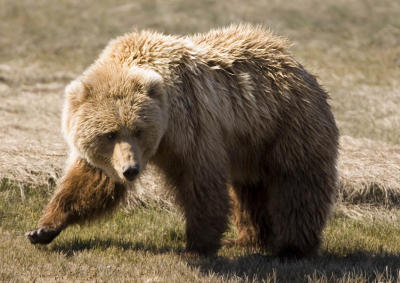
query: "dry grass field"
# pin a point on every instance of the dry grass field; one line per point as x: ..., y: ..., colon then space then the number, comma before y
x: 353, y: 47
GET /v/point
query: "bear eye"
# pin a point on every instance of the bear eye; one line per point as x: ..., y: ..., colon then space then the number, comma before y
x: 111, y: 136
x: 137, y: 133
x: 152, y: 91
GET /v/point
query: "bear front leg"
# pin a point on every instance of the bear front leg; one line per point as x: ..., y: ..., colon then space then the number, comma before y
x: 84, y: 193
x: 206, y: 206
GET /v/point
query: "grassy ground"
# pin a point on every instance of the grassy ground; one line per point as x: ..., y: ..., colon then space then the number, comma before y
x: 145, y: 245
x: 353, y: 46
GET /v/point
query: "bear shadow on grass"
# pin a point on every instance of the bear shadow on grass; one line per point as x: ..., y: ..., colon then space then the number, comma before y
x: 70, y: 247
x: 256, y: 266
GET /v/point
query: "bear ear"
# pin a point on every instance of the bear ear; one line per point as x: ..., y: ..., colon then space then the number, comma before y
x: 150, y: 79
x: 76, y: 92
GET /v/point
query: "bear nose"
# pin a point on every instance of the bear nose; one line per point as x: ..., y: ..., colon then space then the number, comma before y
x: 131, y: 172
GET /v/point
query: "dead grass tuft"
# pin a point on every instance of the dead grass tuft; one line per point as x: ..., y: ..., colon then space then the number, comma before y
x: 367, y: 212
x: 30, y: 122
x: 369, y: 172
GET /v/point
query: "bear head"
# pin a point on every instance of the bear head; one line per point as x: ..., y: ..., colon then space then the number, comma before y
x: 114, y: 117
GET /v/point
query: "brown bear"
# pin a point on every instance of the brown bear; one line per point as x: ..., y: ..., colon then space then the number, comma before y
x: 226, y: 115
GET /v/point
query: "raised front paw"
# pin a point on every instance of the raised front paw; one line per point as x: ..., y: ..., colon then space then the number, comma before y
x: 42, y: 235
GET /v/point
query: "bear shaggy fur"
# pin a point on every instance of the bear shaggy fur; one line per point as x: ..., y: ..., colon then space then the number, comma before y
x: 231, y: 118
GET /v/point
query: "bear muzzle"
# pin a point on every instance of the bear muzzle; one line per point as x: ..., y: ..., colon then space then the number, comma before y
x: 130, y: 171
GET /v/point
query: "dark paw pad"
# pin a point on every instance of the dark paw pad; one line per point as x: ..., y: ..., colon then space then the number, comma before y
x: 42, y: 235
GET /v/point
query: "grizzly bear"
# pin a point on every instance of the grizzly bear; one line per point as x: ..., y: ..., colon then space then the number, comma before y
x: 230, y: 117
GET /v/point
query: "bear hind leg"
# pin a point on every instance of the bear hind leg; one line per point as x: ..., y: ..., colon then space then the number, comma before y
x: 299, y: 210
x: 250, y: 214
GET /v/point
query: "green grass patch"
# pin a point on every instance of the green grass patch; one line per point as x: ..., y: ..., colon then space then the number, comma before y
x: 147, y: 244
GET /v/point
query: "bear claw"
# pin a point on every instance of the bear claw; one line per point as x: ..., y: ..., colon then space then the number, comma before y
x: 42, y: 235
